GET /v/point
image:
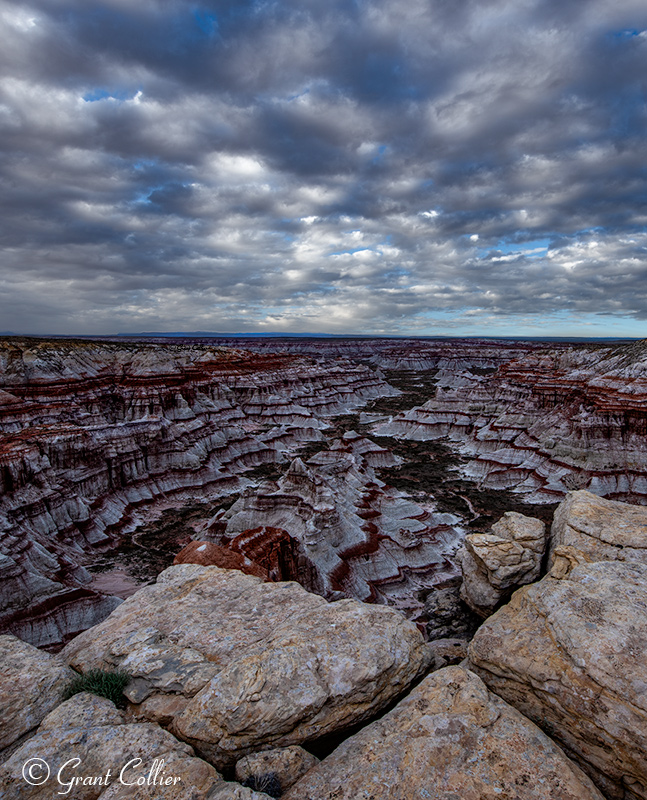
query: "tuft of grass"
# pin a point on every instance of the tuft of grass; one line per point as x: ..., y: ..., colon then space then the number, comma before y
x: 102, y: 682
x: 268, y: 783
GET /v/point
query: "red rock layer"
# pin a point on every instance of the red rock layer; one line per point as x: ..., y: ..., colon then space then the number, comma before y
x: 209, y: 554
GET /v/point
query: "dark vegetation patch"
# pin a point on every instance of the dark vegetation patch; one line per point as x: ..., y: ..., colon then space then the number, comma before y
x: 417, y: 387
x: 265, y: 472
x: 483, y: 370
x: 340, y: 425
x: 268, y: 783
x: 311, y: 448
x: 104, y: 683
x: 153, y: 546
x: 430, y: 468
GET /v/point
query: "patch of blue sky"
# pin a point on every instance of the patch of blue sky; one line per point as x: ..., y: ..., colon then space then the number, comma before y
x: 101, y: 93
x: 292, y: 97
x: 206, y: 21
x: 397, y: 273
x: 145, y: 163
x: 350, y: 251
x: 627, y: 33
x: 381, y: 150
x: 562, y: 324
x: 535, y: 248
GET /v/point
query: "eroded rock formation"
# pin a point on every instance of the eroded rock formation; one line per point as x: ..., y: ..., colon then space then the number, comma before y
x: 208, y: 554
x: 98, y: 438
x: 546, y: 422
x: 494, y: 564
x: 95, y: 437
x: 357, y: 536
x: 603, y: 530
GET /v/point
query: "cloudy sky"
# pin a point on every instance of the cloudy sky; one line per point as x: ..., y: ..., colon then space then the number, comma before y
x: 452, y: 167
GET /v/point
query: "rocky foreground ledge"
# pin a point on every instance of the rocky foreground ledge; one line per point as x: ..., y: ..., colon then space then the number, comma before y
x: 236, y: 681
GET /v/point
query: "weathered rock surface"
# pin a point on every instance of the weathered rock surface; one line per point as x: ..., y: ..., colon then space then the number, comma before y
x: 88, y: 737
x: 569, y: 653
x: 209, y: 554
x: 450, y: 738
x: 31, y: 685
x: 447, y: 652
x: 254, y: 664
x: 496, y: 563
x: 281, y: 767
x: 97, y: 437
x: 603, y: 530
x: 449, y: 616
x: 234, y: 791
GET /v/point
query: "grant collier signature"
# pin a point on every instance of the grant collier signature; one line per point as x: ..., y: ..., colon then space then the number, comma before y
x: 37, y: 772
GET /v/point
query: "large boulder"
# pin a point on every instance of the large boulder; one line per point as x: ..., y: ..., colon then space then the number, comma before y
x: 604, y: 530
x: 234, y: 665
x: 31, y: 685
x: 496, y: 563
x: 88, y: 738
x: 569, y: 653
x: 450, y: 738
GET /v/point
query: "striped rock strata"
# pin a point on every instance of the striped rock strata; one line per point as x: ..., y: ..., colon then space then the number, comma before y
x: 545, y: 423
x: 96, y: 437
x: 354, y: 534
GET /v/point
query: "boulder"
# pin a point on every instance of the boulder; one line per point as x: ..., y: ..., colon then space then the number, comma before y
x: 449, y: 616
x: 31, y: 685
x: 569, y: 653
x: 209, y: 554
x: 88, y: 738
x: 256, y: 665
x: 496, y: 563
x: 450, y: 738
x: 446, y: 652
x: 234, y: 791
x: 604, y: 530
x: 283, y: 767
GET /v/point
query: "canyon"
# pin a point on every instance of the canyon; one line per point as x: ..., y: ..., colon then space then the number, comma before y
x: 354, y: 467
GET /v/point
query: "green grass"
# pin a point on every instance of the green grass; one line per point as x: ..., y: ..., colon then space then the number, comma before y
x: 105, y: 683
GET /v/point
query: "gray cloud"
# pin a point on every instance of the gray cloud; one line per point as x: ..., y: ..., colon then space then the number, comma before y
x: 374, y: 166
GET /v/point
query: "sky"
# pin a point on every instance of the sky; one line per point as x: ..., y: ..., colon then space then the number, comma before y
x: 399, y: 167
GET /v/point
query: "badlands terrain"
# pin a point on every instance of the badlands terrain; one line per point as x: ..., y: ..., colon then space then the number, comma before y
x: 355, y: 467
x: 331, y: 570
